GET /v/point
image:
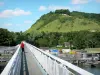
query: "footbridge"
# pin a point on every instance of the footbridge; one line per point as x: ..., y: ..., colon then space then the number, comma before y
x: 35, y: 61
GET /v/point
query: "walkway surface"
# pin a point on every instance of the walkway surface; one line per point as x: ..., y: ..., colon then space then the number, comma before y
x: 30, y: 66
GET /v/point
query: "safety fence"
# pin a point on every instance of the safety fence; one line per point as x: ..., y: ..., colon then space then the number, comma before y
x: 14, y: 65
x: 53, y: 65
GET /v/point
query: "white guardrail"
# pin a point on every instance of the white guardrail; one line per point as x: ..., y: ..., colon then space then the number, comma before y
x: 14, y: 65
x: 54, y: 65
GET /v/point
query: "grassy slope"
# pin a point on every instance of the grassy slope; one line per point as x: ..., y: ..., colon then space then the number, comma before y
x: 70, y: 24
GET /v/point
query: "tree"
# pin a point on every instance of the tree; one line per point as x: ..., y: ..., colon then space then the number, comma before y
x: 42, y: 42
x: 62, y: 11
x: 6, y: 37
x: 79, y: 40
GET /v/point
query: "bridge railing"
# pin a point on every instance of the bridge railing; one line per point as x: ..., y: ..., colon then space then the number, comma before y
x: 14, y: 64
x: 54, y: 65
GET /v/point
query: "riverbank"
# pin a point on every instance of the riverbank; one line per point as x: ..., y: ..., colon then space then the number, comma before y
x: 94, y: 70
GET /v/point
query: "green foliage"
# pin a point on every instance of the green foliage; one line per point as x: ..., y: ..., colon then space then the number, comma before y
x: 57, y: 22
x: 42, y: 42
x: 48, y: 18
x: 91, y: 16
x: 62, y: 11
x: 79, y: 39
x: 80, y: 29
x: 20, y: 37
x: 6, y: 37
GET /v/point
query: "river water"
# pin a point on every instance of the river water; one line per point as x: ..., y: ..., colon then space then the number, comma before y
x: 94, y: 70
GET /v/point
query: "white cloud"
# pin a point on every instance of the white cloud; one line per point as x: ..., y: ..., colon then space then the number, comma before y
x: 58, y: 7
x: 8, y: 24
x: 1, y: 3
x: 15, y: 12
x: 79, y: 1
x: 28, y: 22
x: 97, y: 0
x: 52, y: 7
x: 71, y: 8
x: 42, y: 8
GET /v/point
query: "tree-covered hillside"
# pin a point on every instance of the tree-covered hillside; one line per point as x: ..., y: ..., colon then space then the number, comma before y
x: 80, y: 29
x: 66, y: 21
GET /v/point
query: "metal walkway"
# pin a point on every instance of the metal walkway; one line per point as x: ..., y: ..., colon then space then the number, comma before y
x: 35, y: 61
x: 29, y: 64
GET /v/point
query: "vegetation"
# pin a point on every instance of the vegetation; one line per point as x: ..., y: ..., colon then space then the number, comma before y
x: 78, y: 28
x: 8, y: 38
x: 66, y: 21
x: 81, y: 30
x: 62, y: 11
x: 79, y: 39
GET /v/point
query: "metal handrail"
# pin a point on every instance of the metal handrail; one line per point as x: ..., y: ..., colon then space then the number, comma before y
x: 14, y: 64
x: 39, y: 53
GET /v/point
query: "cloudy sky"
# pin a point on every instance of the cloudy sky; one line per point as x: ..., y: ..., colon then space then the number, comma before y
x: 19, y: 15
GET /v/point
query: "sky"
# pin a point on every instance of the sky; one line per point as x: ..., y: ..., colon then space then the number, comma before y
x: 19, y: 15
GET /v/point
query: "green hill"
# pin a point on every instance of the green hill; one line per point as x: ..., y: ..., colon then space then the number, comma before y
x: 66, y: 21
